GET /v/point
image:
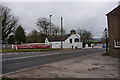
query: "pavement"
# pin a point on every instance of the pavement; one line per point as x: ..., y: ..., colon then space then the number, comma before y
x: 87, y: 66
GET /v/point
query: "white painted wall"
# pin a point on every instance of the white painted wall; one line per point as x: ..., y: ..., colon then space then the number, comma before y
x: 46, y: 41
x: 98, y: 46
x: 74, y: 44
x: 86, y: 46
x: 94, y: 46
x: 56, y: 44
x: 66, y: 43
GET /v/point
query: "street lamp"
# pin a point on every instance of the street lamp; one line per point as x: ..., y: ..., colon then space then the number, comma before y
x: 106, y: 36
x: 50, y: 29
x: 50, y: 24
x: 61, y: 31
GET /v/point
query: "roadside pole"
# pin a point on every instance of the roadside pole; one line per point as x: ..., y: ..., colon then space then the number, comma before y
x: 61, y: 31
x: 106, y: 36
x: 50, y: 30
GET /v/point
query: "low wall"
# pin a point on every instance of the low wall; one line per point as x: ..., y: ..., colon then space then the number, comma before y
x: 66, y: 45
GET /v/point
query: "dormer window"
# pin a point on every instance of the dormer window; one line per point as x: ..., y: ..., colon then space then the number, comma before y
x: 76, y: 40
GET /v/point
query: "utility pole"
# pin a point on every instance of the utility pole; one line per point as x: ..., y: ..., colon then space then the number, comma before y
x: 61, y: 31
x: 50, y: 29
x: 106, y: 36
x: 50, y: 24
x: 0, y: 27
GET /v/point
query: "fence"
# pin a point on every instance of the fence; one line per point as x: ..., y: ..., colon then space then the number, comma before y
x: 6, y: 46
x: 25, y: 46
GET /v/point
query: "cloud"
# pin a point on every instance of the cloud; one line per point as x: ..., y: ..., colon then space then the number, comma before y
x: 84, y: 15
x: 60, y: 0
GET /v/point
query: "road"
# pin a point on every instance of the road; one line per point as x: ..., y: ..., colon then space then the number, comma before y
x: 18, y: 61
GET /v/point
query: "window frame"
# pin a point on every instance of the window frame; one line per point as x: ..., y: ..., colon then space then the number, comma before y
x: 117, y: 43
x: 78, y: 40
x: 70, y: 41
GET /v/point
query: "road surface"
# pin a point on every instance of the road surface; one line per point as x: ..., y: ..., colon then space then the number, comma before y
x: 18, y: 61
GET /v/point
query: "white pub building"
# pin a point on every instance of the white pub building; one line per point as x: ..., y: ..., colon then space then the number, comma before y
x: 71, y: 40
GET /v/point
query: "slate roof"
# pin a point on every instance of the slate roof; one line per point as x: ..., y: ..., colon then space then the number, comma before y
x: 58, y: 38
x: 114, y: 10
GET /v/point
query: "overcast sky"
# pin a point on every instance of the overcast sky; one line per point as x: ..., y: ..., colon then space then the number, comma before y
x: 77, y: 15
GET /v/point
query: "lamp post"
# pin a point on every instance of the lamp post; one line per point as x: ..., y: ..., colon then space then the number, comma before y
x: 61, y: 31
x: 50, y: 29
x: 50, y: 24
x: 106, y: 36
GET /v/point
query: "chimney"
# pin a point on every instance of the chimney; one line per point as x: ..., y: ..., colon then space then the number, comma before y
x: 72, y: 32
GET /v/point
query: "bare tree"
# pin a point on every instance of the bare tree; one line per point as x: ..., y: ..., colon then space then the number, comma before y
x: 45, y: 28
x: 9, y: 22
x: 103, y: 37
x: 55, y: 30
x: 63, y: 30
x: 35, y: 37
x: 85, y: 35
x: 43, y: 25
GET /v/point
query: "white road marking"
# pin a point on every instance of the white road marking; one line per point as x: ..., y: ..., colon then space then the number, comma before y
x: 39, y: 55
x: 29, y: 57
x: 16, y: 53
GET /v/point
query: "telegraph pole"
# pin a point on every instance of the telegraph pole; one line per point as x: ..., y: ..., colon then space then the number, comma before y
x: 50, y: 24
x: 61, y: 31
x: 0, y: 27
x: 50, y: 30
x: 106, y: 36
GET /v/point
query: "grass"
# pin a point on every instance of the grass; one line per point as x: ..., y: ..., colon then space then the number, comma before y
x: 5, y: 78
x: 26, y: 50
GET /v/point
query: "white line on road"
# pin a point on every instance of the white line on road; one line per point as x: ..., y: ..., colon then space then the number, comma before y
x: 29, y: 57
x: 38, y: 55
x: 16, y: 53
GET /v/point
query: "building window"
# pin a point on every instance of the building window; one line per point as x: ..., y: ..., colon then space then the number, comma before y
x: 70, y: 40
x: 76, y: 40
x: 89, y: 45
x: 117, y: 43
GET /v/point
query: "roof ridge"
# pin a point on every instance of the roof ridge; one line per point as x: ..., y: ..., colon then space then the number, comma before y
x: 58, y: 37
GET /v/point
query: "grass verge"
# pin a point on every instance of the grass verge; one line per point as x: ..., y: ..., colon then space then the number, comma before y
x: 5, y: 78
x: 26, y: 50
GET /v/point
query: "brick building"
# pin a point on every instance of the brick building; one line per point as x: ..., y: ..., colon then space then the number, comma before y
x: 113, y: 18
x: 0, y: 29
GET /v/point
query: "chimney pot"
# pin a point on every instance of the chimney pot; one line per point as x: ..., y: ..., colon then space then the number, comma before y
x: 72, y: 32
